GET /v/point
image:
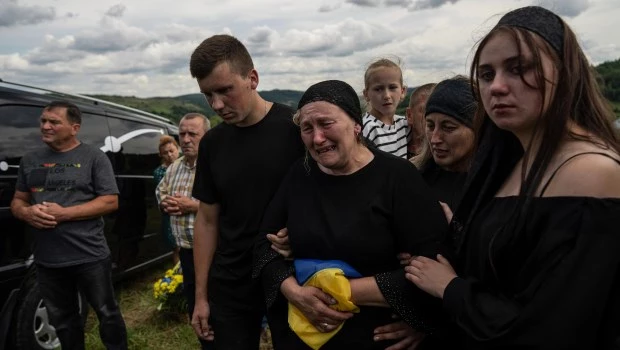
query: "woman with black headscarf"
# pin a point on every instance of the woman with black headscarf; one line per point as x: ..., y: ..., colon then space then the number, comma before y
x: 450, y: 139
x: 354, y: 204
x: 538, y: 263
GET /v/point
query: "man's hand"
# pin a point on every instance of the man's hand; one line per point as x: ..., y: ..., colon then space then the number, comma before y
x: 429, y: 275
x: 200, y: 320
x: 170, y: 206
x: 185, y: 204
x: 314, y: 304
x: 279, y: 243
x: 37, y: 216
x: 409, y: 337
x: 59, y: 212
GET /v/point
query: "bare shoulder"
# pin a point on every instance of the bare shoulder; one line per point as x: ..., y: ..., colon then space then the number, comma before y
x: 586, y: 171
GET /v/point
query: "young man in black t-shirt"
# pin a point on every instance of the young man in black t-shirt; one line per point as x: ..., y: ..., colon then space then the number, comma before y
x: 241, y: 163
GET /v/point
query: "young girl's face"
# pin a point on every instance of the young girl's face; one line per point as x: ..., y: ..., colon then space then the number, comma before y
x: 384, y: 91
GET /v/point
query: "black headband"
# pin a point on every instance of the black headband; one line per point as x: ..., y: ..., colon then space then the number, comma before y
x: 335, y: 92
x: 453, y: 98
x: 540, y: 21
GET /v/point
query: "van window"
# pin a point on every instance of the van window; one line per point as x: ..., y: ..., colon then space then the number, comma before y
x: 136, y: 146
x: 137, y: 222
x: 19, y: 134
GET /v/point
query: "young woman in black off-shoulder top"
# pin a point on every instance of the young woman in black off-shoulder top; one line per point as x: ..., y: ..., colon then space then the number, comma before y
x: 536, y: 235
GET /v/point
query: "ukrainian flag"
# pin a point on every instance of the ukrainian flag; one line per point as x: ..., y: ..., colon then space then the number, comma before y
x: 332, y: 277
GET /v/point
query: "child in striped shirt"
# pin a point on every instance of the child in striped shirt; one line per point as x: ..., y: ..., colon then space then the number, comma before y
x: 383, y: 91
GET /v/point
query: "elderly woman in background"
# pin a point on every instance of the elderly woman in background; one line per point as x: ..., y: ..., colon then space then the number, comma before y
x: 353, y: 204
x: 537, y: 264
x: 168, y: 152
x: 450, y: 138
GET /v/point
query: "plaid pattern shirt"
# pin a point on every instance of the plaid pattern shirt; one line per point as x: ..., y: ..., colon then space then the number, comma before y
x: 179, y: 179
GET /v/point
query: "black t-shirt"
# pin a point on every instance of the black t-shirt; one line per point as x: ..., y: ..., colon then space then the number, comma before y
x: 240, y: 168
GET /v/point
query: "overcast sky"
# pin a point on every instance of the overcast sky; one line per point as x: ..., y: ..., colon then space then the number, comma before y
x: 142, y: 47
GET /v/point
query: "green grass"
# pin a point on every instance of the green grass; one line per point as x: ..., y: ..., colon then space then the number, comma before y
x: 148, y: 328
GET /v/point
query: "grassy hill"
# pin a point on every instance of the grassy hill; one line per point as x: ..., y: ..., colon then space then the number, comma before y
x: 174, y: 108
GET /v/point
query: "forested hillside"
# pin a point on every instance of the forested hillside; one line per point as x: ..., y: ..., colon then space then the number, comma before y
x: 610, y: 76
x: 175, y: 107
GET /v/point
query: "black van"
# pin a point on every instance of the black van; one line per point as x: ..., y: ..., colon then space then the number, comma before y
x: 130, y: 139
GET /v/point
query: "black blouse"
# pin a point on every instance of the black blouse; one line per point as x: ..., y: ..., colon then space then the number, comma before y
x: 448, y: 185
x: 552, y: 283
x: 364, y: 219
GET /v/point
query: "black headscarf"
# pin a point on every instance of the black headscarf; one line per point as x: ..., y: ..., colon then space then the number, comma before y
x: 337, y: 93
x: 453, y: 97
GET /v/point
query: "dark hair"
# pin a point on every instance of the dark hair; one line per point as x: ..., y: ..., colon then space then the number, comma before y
x: 422, y: 90
x: 74, y: 115
x: 217, y: 49
x: 577, y: 98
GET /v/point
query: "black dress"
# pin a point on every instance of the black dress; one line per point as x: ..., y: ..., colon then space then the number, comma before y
x: 553, y: 283
x: 548, y: 278
x: 364, y: 219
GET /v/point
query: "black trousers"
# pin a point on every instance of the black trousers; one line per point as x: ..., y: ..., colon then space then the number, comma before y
x: 234, y: 329
x: 186, y: 257
x: 59, y: 288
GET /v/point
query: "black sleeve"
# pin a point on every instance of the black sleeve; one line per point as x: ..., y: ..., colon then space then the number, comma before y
x: 572, y: 302
x: 204, y: 187
x: 268, y: 265
x: 419, y: 226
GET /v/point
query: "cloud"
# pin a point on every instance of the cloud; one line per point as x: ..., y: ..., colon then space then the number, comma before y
x: 401, y: 3
x: 113, y: 35
x: 13, y: 62
x: 340, y: 39
x: 12, y: 14
x: 112, y: 49
x: 430, y: 4
x: 365, y: 3
x: 412, y: 5
x: 329, y: 7
x: 259, y: 43
x: 54, y: 50
x: 116, y: 11
x: 568, y: 8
